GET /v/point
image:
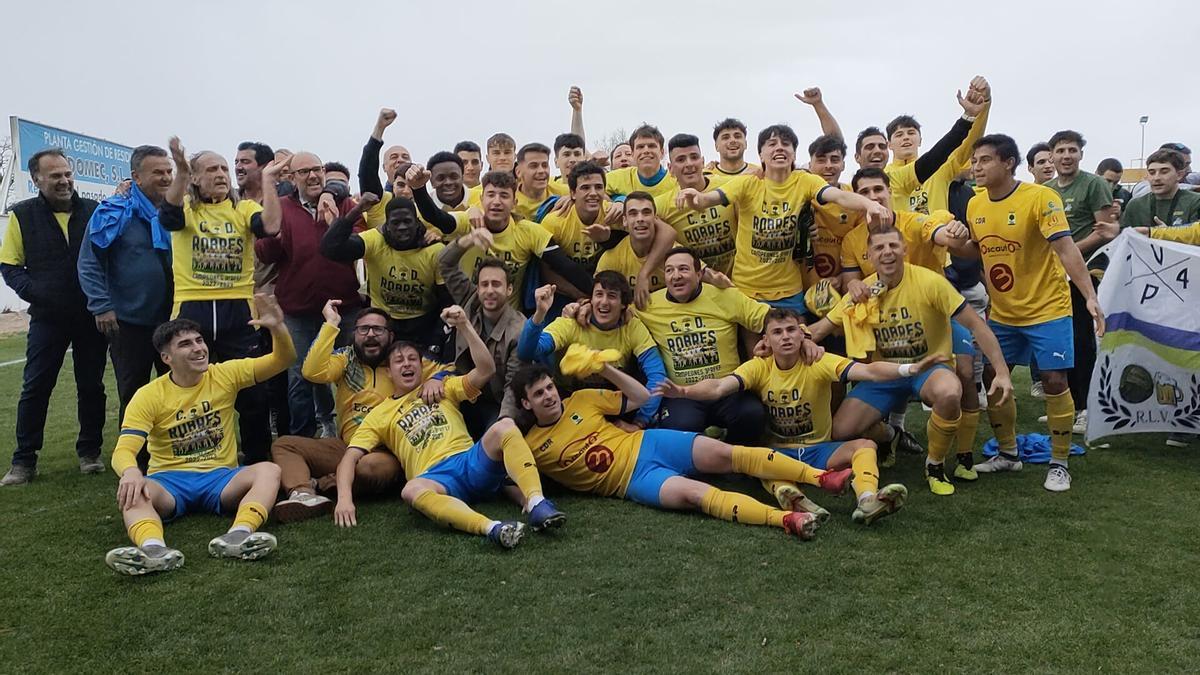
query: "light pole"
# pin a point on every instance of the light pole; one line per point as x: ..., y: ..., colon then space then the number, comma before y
x: 1142, y: 121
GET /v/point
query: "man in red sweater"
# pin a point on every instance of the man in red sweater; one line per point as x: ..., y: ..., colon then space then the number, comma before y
x: 306, y: 281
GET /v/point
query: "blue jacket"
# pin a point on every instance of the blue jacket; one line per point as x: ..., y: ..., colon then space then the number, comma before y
x: 129, y: 277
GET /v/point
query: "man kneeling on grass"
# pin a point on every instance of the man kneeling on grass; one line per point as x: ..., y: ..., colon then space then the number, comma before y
x: 577, y: 446
x: 186, y: 419
x: 446, y: 470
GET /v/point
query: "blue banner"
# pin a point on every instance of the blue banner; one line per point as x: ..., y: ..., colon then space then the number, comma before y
x: 99, y: 165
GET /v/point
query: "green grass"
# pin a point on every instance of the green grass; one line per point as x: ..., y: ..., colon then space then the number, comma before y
x: 1003, y: 576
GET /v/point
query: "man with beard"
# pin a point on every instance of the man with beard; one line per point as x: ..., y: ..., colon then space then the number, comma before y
x: 248, y: 164
x: 401, y: 269
x: 360, y: 377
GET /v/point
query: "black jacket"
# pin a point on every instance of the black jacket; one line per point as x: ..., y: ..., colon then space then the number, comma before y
x: 49, y: 279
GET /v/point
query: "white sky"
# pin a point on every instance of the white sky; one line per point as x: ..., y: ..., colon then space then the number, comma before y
x: 312, y: 75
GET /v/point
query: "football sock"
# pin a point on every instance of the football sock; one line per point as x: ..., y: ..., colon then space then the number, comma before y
x: 450, y: 512
x: 1004, y: 423
x: 764, y: 463
x: 1060, y: 418
x: 941, y: 433
x: 967, y: 425
x: 250, y: 516
x: 518, y: 462
x: 739, y: 508
x: 145, y: 530
x: 866, y: 471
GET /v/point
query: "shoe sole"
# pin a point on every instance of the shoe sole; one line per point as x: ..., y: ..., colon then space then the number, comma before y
x: 552, y: 523
x: 983, y: 468
x: 292, y: 512
x: 509, y: 538
x: 257, y: 545
x: 894, y: 496
x: 1050, y: 489
x: 808, y: 530
x: 131, y: 561
x: 792, y: 499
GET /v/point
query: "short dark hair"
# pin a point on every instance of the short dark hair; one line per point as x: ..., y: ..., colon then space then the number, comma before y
x: 783, y: 131
x: 442, y: 157
x: 397, y: 202
x: 641, y: 196
x: 494, y: 262
x: 826, y: 144
x: 883, y: 229
x: 338, y: 167
x: 682, y: 141
x: 466, y: 146
x: 168, y: 330
x: 573, y: 141
x: 646, y: 131
x: 728, y: 123
x: 499, y: 179
x: 781, y: 314
x: 879, y: 174
x: 1067, y: 136
x: 1110, y: 164
x: 869, y: 131
x: 36, y: 160
x: 263, y: 154
x: 367, y: 311
x: 501, y: 140
x: 526, y: 376
x: 684, y: 250
x: 1005, y: 147
x: 613, y: 152
x: 402, y: 170
x: 141, y: 152
x: 1034, y: 150
x: 397, y: 345
x: 611, y: 280
x: 902, y: 122
x: 584, y: 168
x: 532, y: 147
x: 1172, y: 157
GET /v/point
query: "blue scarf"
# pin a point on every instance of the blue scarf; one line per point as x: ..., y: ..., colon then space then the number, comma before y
x: 113, y: 215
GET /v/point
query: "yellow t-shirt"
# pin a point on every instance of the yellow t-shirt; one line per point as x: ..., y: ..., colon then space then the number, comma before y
x: 1025, y: 279
x: 623, y: 260
x: 796, y: 399
x: 377, y: 215
x: 917, y: 229
x: 698, y: 339
x: 833, y: 223
x: 626, y: 181
x: 630, y: 338
x: 711, y: 232
x: 584, y: 451
x: 526, y: 207
x: 418, y: 434
x: 358, y: 389
x: 934, y: 194
x: 567, y: 230
x: 719, y: 177
x: 1187, y: 234
x: 902, y: 182
x: 914, y: 317
x: 520, y: 242
x: 401, y: 283
x: 213, y: 255
x: 767, y: 232
x: 12, y: 251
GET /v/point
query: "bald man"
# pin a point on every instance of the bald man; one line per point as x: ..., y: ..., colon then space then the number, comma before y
x: 393, y: 157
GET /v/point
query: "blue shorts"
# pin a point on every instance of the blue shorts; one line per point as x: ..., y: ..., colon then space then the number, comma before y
x: 816, y: 455
x: 665, y: 453
x: 888, y: 396
x: 470, y: 475
x: 195, y: 490
x: 964, y: 342
x: 793, y: 302
x: 1051, y: 344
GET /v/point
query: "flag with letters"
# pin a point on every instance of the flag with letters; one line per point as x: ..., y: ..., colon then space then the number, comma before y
x: 1147, y: 374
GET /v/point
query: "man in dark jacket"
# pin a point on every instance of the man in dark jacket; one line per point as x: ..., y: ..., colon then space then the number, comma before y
x: 38, y: 261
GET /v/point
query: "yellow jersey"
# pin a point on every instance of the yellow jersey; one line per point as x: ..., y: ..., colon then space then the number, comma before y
x: 516, y: 245
x: 567, y: 230
x: 833, y: 223
x: 913, y: 320
x: 626, y: 181
x: 377, y: 215
x: 401, y: 283
x: 527, y: 207
x: 213, y: 255
x: 918, y: 230
x: 584, y: 451
x: 418, y: 434
x: 1187, y: 234
x: 358, y: 388
x: 719, y: 177
x: 630, y: 338
x: 934, y: 194
x: 698, y: 338
x: 710, y: 232
x: 12, y: 251
x: 1025, y: 279
x: 622, y: 259
x: 767, y: 231
x: 797, y: 399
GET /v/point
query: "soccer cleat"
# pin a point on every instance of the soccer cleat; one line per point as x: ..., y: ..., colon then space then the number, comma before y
x: 1037, y: 390
x: 836, y: 482
x: 19, y: 475
x: 965, y: 470
x: 1080, y: 427
x: 791, y: 498
x: 905, y: 442
x: 1058, y: 479
x: 998, y: 463
x: 89, y: 465
x: 302, y: 506
x: 887, y: 455
x: 888, y: 500
x: 935, y: 475
x: 545, y: 516
x: 135, y: 561
x: 801, y: 524
x: 242, y: 545
x: 507, y: 534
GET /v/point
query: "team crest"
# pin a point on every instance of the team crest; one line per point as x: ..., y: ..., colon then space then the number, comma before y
x: 576, y: 418
x: 1012, y: 218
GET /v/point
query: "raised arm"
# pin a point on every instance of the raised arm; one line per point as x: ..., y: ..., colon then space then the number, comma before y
x: 368, y: 163
x: 973, y: 105
x: 272, y: 214
x: 575, y: 274
x: 320, y: 364
x: 634, y: 391
x: 484, y: 367
x: 417, y: 176
x: 812, y: 96
x: 575, y: 98
x: 875, y: 213
x: 283, y: 355
x: 458, y: 284
x: 534, y: 341
x: 694, y: 200
x: 183, y: 176
x: 664, y: 241
x: 885, y: 371
x: 340, y: 242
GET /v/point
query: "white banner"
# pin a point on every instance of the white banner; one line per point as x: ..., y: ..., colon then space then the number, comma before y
x: 1147, y: 375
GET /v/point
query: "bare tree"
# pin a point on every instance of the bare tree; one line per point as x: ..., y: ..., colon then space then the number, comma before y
x: 6, y: 163
x: 613, y: 139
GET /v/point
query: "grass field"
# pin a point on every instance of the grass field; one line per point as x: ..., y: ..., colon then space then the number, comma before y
x: 1001, y: 577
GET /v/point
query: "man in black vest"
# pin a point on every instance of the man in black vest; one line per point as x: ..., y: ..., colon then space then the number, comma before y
x: 38, y: 261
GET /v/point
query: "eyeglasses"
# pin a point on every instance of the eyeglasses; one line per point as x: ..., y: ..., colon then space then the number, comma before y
x: 306, y: 171
x: 370, y: 330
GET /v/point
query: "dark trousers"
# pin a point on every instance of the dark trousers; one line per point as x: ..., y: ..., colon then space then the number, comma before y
x: 225, y: 328
x: 45, y: 348
x: 480, y: 415
x: 277, y: 392
x: 1079, y: 378
x: 741, y: 415
x: 134, y: 359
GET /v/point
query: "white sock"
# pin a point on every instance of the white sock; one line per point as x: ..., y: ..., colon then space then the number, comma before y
x: 865, y: 496
x: 241, y: 528
x: 153, y: 542
x: 533, y: 502
x: 896, y: 419
x: 492, y: 525
x: 1058, y: 462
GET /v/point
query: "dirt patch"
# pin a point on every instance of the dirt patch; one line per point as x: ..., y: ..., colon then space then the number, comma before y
x: 12, y: 323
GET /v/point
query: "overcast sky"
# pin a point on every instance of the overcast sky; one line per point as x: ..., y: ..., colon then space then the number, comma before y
x: 312, y: 75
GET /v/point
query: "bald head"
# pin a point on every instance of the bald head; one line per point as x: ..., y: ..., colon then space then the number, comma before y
x: 393, y: 156
x: 308, y: 174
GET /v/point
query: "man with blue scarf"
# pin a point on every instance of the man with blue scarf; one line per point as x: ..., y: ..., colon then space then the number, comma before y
x: 125, y: 270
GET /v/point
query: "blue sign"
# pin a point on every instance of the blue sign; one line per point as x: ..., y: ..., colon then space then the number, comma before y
x: 99, y: 165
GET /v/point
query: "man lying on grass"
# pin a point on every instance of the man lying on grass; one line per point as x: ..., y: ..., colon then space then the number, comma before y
x: 187, y: 421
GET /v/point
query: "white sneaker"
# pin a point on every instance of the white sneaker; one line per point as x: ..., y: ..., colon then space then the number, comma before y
x: 1080, y: 427
x: 1043, y: 419
x: 1058, y: 479
x: 1037, y: 390
x: 302, y: 506
x: 997, y: 464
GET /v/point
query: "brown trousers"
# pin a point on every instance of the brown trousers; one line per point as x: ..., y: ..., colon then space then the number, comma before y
x: 300, y: 459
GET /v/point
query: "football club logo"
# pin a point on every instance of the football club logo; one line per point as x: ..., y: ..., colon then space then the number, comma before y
x: 576, y: 418
x: 1012, y: 218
